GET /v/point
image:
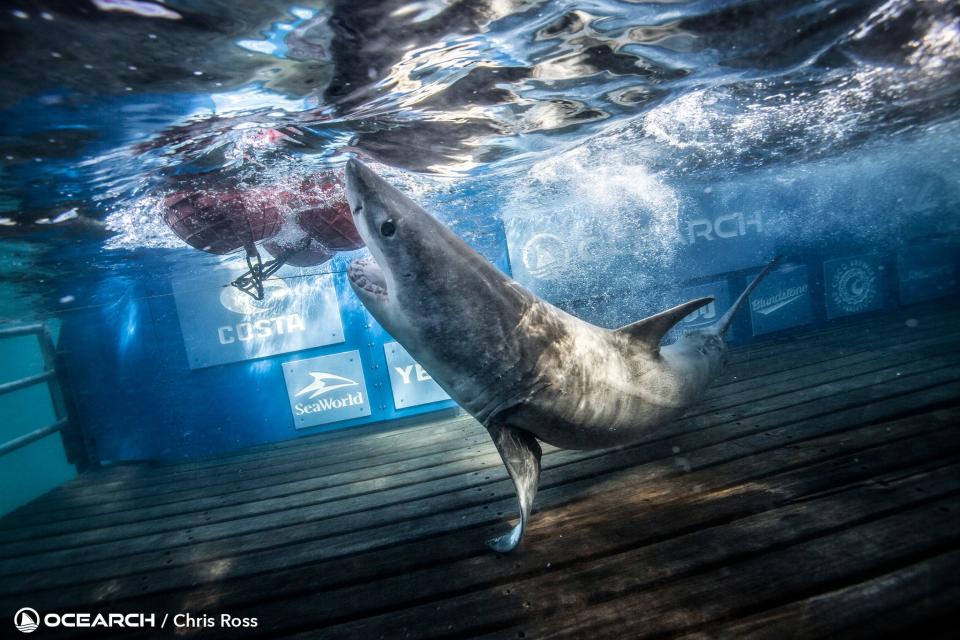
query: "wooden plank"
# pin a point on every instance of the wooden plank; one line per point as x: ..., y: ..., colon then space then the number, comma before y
x: 649, y: 609
x: 18, y: 560
x: 906, y: 603
x: 404, y: 603
x: 360, y: 453
x: 308, y: 480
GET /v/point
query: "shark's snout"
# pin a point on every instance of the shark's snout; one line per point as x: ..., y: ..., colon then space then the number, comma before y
x: 352, y: 178
x: 365, y: 274
x: 362, y: 184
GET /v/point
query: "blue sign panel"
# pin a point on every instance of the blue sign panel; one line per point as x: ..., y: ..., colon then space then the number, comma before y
x: 411, y: 384
x: 852, y: 285
x: 221, y: 324
x: 926, y: 272
x: 562, y: 263
x: 705, y: 316
x: 781, y: 301
x: 326, y: 389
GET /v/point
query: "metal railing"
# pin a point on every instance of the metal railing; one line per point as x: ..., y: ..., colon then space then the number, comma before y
x: 69, y: 433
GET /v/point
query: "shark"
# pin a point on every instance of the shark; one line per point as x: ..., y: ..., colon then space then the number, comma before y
x: 525, y: 369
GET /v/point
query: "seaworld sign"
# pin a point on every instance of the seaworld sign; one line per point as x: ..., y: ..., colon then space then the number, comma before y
x: 326, y: 389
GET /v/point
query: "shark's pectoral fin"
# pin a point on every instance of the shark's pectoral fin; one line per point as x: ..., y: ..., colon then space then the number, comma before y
x: 520, y: 452
x: 650, y: 331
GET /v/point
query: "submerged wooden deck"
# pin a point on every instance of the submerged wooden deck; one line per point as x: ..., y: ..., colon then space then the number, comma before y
x: 815, y: 492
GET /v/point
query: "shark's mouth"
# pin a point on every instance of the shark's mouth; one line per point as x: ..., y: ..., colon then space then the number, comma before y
x: 366, y: 274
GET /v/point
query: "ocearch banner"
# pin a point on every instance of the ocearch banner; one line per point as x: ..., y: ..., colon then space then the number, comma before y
x: 222, y: 324
x: 562, y: 264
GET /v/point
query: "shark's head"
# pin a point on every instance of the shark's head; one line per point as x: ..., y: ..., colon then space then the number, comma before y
x: 412, y: 254
x: 423, y: 284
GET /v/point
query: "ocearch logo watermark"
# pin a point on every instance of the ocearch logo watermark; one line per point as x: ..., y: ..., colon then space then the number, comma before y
x: 27, y: 620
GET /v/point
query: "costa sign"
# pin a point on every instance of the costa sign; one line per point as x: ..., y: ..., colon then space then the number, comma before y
x: 221, y: 324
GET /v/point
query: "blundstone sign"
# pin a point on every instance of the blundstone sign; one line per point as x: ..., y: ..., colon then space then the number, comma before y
x: 326, y: 389
x: 781, y: 301
x: 222, y: 324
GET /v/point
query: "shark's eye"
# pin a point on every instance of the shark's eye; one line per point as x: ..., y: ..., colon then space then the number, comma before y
x: 388, y: 228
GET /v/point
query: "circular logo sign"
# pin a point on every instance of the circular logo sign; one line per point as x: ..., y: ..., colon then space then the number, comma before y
x: 543, y: 255
x: 26, y: 620
x: 274, y: 293
x: 854, y: 285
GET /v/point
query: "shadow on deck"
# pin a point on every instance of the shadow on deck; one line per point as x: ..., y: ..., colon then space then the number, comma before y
x: 814, y: 492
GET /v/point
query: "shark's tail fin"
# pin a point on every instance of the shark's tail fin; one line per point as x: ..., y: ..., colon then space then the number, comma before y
x: 724, y: 323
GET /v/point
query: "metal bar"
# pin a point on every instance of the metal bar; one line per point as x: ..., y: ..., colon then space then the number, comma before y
x: 29, y: 381
x: 25, y: 330
x: 73, y: 441
x: 33, y: 436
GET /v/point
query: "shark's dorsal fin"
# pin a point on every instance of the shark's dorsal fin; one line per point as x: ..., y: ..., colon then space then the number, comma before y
x: 650, y: 331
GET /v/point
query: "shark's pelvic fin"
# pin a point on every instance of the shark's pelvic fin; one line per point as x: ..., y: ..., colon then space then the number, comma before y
x: 520, y: 452
x: 724, y: 322
x: 650, y: 331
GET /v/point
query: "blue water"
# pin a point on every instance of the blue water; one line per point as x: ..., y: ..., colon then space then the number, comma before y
x: 614, y: 156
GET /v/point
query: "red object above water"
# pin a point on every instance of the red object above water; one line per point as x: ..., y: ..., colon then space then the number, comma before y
x: 220, y: 221
x: 311, y: 256
x: 328, y: 220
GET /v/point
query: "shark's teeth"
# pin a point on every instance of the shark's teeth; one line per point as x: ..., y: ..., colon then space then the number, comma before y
x: 360, y: 278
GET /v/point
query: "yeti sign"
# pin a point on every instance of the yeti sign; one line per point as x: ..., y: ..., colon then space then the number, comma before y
x: 411, y: 384
x: 326, y: 389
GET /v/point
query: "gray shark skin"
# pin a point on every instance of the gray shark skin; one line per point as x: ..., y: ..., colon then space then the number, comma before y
x: 523, y: 368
